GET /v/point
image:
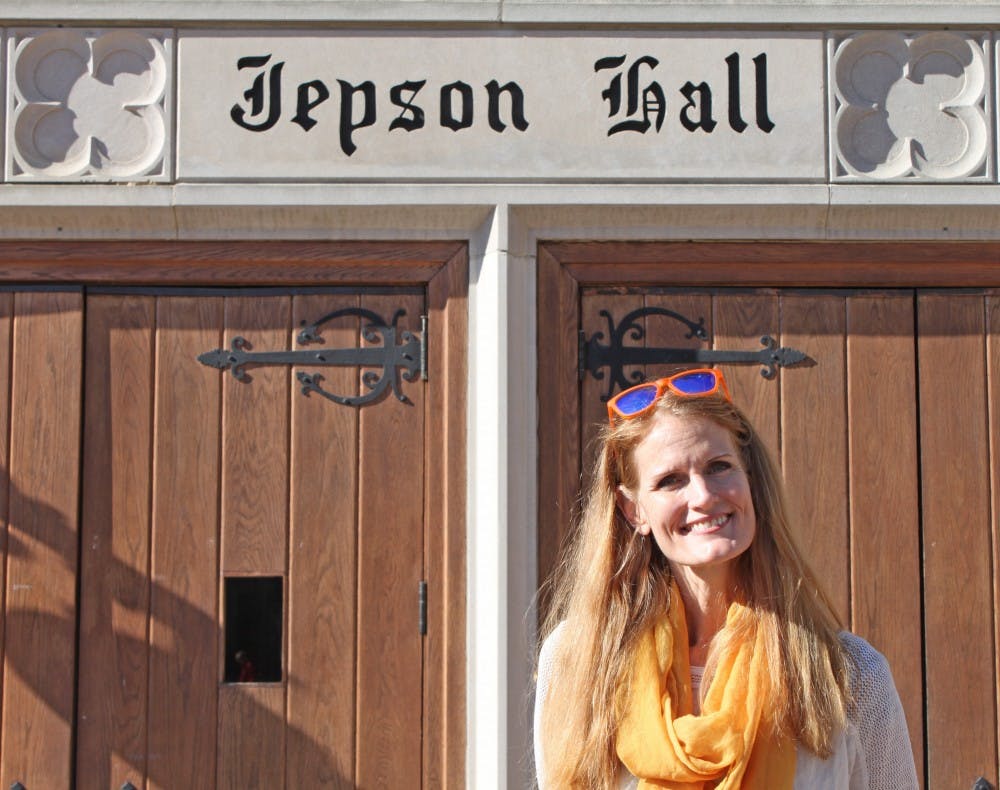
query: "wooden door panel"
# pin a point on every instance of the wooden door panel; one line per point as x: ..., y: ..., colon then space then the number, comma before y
x: 956, y: 538
x: 251, y: 736
x: 182, y: 494
x: 559, y: 394
x: 190, y: 477
x: 6, y: 370
x: 814, y: 439
x: 40, y: 604
x: 255, y: 441
x: 740, y: 322
x: 254, y: 536
x: 592, y: 407
x: 444, y: 714
x: 993, y: 377
x: 664, y: 332
x: 322, y: 618
x: 390, y: 559
x: 889, y: 445
x: 184, y: 631
x: 884, y: 490
x: 114, y: 589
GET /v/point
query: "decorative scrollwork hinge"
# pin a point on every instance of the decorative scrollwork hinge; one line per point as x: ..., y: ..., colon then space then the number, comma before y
x: 616, y: 356
x: 409, y: 356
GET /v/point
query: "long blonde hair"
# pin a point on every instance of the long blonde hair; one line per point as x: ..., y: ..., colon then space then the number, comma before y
x: 613, y: 585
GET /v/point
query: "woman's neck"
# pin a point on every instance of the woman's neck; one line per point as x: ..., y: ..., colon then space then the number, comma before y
x: 706, y: 602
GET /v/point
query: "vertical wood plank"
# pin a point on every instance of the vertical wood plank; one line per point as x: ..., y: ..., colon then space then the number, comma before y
x: 390, y: 564
x: 741, y: 319
x: 594, y: 392
x: 114, y: 586
x: 322, y: 582
x: 6, y: 363
x: 184, y: 633
x: 444, y: 542
x: 958, y: 582
x: 41, y: 610
x: 255, y: 442
x: 559, y: 415
x: 251, y: 736
x: 885, y: 540
x: 814, y: 439
x: 254, y: 521
x: 665, y: 332
x: 993, y: 375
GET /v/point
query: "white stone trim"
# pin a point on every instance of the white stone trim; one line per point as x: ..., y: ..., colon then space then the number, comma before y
x: 502, y: 507
x: 510, y: 12
x: 449, y: 211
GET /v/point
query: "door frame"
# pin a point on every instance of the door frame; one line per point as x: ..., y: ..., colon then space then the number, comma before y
x: 565, y: 267
x: 442, y: 269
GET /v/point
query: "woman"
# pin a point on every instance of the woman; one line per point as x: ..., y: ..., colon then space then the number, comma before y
x: 688, y: 644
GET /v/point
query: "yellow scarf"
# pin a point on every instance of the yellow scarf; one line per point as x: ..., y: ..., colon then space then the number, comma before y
x: 729, y: 746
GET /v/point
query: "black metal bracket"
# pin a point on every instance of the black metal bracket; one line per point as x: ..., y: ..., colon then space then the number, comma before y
x: 410, y: 355
x: 616, y: 356
x: 982, y: 784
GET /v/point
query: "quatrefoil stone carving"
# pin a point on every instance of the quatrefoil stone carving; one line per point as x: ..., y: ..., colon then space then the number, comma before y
x: 910, y: 108
x: 89, y: 106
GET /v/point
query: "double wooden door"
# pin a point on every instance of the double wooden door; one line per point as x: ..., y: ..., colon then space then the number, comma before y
x: 163, y: 516
x: 887, y: 433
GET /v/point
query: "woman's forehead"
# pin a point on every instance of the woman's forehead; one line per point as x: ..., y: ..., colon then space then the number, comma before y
x: 680, y: 438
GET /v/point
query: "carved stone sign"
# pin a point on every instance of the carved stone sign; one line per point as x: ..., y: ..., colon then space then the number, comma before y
x: 466, y: 106
x: 488, y: 106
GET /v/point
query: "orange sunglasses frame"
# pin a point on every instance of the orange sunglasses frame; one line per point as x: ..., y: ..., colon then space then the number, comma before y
x: 664, y: 384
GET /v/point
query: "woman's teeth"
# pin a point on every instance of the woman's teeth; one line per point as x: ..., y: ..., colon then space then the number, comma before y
x: 706, y: 526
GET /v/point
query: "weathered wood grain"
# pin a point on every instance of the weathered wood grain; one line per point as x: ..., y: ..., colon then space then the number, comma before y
x: 390, y: 565
x: 185, y: 660
x: 814, y: 438
x: 958, y: 583
x: 40, y: 601
x: 884, y: 486
x: 445, y: 410
x: 323, y: 545
x: 114, y: 563
x: 255, y: 441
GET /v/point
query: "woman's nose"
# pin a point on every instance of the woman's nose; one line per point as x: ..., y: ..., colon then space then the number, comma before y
x: 699, y: 491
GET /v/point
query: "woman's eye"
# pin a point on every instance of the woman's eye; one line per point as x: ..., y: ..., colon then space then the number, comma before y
x: 717, y: 467
x: 670, y: 481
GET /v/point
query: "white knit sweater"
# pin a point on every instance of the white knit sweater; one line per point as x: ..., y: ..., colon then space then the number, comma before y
x: 872, y: 752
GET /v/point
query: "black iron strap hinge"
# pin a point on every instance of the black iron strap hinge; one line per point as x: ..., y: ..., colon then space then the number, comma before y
x: 616, y: 356
x: 398, y: 353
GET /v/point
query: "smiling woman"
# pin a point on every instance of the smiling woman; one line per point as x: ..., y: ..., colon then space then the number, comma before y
x: 689, y: 645
x: 692, y: 495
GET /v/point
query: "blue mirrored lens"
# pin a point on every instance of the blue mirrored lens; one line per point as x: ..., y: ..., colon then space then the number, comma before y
x: 636, y: 400
x: 694, y: 383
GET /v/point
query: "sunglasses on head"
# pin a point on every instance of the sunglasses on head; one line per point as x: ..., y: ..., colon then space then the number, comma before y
x: 698, y: 383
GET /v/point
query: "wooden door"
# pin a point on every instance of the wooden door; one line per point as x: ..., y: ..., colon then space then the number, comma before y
x: 161, y: 515
x: 887, y: 439
x: 193, y: 478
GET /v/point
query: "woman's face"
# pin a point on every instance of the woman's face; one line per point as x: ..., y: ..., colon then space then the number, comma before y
x: 692, y: 495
